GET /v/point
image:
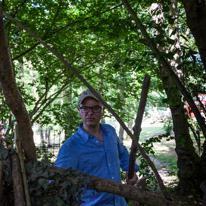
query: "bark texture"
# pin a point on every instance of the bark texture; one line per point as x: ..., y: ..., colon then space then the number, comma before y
x: 13, y: 96
x: 188, y: 162
x: 17, y: 181
x: 130, y: 192
x: 196, y: 20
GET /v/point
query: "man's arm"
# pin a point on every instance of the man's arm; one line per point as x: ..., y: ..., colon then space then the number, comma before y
x: 124, y: 163
x: 124, y: 157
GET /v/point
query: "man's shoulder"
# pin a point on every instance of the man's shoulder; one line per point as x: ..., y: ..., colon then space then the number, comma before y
x: 72, y: 139
x: 104, y: 125
x: 107, y: 127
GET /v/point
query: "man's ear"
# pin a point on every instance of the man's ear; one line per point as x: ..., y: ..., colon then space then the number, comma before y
x: 79, y: 111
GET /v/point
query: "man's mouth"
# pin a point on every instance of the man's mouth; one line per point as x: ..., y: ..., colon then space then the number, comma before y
x: 90, y: 119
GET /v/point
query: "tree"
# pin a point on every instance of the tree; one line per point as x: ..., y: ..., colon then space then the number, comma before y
x: 85, y: 33
x: 184, y: 146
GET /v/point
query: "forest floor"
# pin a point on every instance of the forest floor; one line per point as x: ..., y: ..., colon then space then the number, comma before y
x: 165, y: 160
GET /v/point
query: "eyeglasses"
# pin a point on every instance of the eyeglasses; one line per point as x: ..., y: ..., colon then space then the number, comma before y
x: 95, y: 109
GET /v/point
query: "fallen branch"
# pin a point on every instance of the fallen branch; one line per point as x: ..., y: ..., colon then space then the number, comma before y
x: 127, y: 191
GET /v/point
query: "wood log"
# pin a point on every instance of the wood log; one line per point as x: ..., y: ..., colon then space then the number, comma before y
x: 128, y: 191
x: 17, y: 181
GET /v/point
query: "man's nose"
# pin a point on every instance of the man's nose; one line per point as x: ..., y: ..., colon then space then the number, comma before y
x: 90, y: 110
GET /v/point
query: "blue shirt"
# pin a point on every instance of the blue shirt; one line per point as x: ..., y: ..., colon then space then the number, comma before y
x: 86, y: 153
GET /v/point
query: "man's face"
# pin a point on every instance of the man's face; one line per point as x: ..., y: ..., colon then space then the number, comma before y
x: 90, y: 118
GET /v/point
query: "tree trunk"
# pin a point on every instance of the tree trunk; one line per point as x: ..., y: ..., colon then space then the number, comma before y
x: 13, y: 96
x: 48, y: 136
x: 42, y: 143
x: 188, y: 161
x: 121, y: 133
x: 67, y: 99
x: 196, y: 20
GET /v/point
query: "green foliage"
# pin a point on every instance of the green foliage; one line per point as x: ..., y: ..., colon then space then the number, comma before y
x: 168, y: 125
x: 85, y: 33
x: 43, y: 155
x: 145, y: 169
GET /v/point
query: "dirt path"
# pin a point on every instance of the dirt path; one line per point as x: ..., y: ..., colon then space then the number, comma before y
x: 164, y: 154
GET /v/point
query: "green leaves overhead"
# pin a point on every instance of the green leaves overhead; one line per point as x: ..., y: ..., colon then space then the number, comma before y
x: 101, y: 41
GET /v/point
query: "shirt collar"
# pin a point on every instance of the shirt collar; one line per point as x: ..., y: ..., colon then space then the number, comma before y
x: 82, y: 134
x: 85, y: 136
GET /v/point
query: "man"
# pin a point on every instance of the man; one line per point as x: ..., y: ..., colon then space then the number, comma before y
x: 95, y: 149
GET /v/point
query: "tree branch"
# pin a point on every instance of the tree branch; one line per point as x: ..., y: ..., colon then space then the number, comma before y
x: 48, y: 102
x: 137, y: 126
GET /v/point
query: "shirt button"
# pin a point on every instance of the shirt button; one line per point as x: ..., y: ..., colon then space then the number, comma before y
x: 97, y: 141
x: 109, y: 164
x: 112, y: 177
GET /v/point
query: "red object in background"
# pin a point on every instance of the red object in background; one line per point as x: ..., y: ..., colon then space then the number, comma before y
x: 202, y: 98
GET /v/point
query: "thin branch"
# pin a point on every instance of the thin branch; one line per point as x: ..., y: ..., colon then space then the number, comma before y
x: 137, y: 126
x: 49, y: 102
x: 18, y: 9
x: 49, y: 33
x: 44, y: 37
x: 25, y: 52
